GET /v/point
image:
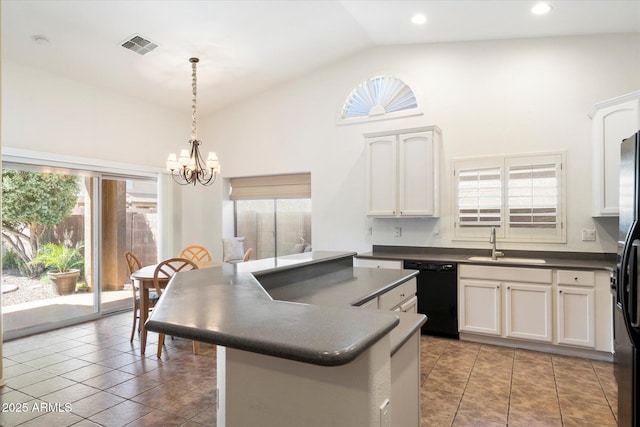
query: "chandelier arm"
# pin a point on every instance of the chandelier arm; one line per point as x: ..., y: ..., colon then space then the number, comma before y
x: 178, y: 178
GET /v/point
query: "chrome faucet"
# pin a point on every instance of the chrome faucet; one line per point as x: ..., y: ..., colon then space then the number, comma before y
x: 492, y: 239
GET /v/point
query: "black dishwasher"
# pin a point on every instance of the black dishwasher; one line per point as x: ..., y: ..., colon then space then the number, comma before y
x: 437, y: 296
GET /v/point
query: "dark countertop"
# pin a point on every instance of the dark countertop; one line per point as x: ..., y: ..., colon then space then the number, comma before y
x: 569, y: 260
x: 238, y: 306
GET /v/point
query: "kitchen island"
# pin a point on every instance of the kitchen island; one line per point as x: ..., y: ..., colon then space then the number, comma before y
x: 294, y: 355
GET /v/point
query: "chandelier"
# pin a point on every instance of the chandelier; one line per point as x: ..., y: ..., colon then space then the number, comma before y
x: 190, y: 167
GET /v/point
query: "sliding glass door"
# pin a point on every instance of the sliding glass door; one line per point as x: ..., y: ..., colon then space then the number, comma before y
x: 47, y: 226
x: 79, y: 222
x: 129, y: 223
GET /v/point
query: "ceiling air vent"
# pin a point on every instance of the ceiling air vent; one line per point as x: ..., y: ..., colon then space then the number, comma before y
x: 139, y: 44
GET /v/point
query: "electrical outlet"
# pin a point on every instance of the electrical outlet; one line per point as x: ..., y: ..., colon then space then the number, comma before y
x: 588, y: 235
x: 385, y: 414
x: 397, y: 232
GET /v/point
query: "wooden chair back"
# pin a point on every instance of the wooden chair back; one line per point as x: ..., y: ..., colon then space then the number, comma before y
x: 247, y: 255
x: 198, y: 254
x: 167, y: 268
x: 133, y: 262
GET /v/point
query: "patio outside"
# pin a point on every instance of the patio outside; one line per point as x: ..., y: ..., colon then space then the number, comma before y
x: 31, y: 302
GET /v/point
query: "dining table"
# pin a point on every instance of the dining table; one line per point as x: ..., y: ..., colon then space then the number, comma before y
x: 144, y: 280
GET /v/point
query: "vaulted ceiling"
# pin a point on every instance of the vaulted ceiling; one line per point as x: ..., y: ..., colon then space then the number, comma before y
x: 246, y: 47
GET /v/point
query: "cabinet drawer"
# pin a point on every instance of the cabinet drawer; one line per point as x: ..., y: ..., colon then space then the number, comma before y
x: 576, y: 278
x: 397, y: 295
x: 377, y: 263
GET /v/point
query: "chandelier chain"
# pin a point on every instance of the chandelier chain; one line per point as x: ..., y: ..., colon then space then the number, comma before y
x: 194, y: 88
x: 191, y: 167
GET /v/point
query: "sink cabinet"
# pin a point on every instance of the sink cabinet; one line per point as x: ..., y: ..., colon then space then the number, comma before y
x: 561, y: 307
x: 480, y: 308
x: 402, y: 173
x: 505, y: 301
x: 528, y: 311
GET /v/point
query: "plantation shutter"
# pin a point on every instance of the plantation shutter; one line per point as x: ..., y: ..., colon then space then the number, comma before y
x: 479, y: 197
x: 533, y: 196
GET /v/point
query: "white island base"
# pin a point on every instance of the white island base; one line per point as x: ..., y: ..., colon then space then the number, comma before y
x: 266, y: 391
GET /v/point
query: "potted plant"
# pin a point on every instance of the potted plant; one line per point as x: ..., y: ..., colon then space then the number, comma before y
x: 63, y: 264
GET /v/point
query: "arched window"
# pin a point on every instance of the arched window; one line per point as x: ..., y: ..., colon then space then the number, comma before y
x: 377, y: 97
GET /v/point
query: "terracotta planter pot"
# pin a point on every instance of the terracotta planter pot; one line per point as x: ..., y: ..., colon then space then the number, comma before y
x: 64, y: 283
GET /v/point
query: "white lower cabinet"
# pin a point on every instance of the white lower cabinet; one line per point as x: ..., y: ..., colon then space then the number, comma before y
x: 561, y: 307
x: 576, y: 316
x: 528, y: 312
x: 576, y: 306
x: 480, y: 306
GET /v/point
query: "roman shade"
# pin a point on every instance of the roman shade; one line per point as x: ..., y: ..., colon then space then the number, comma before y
x: 289, y: 186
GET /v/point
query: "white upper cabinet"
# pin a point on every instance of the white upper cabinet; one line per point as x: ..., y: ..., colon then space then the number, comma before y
x: 402, y: 172
x: 613, y: 121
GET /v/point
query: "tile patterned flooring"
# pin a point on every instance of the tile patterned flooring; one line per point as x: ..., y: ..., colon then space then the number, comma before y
x: 468, y: 384
x: 90, y: 374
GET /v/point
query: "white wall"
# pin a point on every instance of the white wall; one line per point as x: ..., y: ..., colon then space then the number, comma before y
x: 487, y: 97
x: 494, y: 97
x: 45, y: 113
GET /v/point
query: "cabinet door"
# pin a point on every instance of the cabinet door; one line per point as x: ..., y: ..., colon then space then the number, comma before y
x: 417, y: 174
x: 381, y: 178
x: 480, y: 306
x: 528, y: 311
x: 576, y: 316
x: 613, y: 121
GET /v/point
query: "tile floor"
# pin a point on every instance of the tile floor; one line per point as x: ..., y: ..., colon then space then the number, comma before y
x: 468, y: 384
x: 89, y: 374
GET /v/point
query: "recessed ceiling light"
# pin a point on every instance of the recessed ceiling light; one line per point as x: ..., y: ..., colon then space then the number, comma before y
x: 541, y: 9
x: 419, y: 19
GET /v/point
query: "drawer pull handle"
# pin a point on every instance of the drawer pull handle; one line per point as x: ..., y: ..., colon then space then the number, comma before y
x: 575, y: 278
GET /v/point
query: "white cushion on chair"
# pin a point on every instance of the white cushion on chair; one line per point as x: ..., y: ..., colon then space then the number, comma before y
x: 233, y: 248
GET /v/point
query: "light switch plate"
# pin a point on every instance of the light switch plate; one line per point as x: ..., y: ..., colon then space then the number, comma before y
x: 588, y: 235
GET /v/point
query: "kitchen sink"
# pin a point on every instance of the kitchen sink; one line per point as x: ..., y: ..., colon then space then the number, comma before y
x: 512, y: 260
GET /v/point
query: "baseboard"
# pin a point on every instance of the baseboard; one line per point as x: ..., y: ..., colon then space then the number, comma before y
x: 543, y: 347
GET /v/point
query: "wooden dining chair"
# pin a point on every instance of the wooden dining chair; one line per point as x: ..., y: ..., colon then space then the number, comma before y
x: 134, y: 264
x: 198, y: 254
x: 247, y: 255
x: 166, y: 269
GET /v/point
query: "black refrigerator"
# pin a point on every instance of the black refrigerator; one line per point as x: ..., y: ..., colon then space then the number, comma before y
x: 626, y: 317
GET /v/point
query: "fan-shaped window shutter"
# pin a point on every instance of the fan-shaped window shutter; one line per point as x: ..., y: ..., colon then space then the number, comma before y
x: 379, y: 96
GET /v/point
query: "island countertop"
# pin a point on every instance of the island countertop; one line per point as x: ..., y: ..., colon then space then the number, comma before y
x: 254, y: 306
